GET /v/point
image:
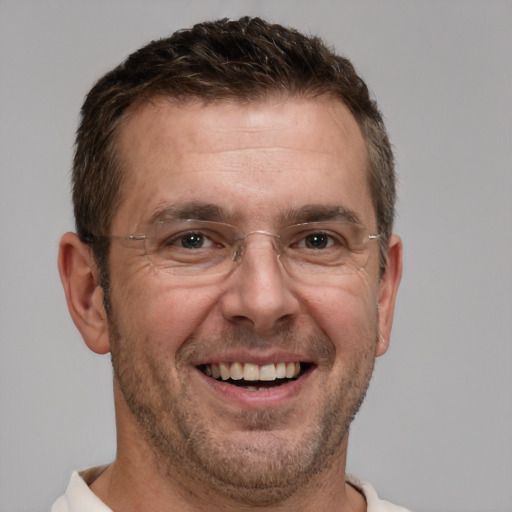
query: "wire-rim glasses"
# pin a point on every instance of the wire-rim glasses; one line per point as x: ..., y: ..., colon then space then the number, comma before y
x: 205, y: 248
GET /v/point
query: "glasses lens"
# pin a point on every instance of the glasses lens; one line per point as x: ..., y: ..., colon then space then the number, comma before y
x: 332, y: 248
x: 191, y: 248
x: 199, y: 248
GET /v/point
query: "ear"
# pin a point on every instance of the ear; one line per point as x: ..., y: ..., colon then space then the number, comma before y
x: 388, y: 290
x: 84, y: 296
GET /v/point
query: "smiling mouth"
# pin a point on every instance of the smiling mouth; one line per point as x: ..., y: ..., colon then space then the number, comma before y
x: 253, y: 377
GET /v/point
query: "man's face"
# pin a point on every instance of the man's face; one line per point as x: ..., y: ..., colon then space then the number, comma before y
x: 259, y: 166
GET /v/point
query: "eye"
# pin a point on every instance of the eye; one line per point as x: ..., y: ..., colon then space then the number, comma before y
x: 191, y: 240
x: 316, y: 241
x: 319, y: 240
x: 324, y: 240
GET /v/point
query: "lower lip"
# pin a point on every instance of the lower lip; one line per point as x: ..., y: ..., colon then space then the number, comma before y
x: 269, y: 398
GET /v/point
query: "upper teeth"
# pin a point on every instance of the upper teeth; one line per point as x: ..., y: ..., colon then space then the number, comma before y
x: 252, y: 372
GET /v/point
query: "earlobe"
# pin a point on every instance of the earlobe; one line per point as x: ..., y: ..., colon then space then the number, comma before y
x: 84, y: 296
x: 388, y: 291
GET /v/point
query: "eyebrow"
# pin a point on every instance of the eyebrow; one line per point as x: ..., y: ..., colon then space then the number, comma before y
x: 212, y: 212
x: 190, y: 210
x: 319, y: 213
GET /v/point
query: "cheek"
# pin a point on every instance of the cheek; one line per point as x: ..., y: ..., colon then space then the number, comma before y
x: 346, y: 313
x: 151, y: 309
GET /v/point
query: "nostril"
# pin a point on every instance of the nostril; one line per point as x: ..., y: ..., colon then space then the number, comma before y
x: 240, y: 320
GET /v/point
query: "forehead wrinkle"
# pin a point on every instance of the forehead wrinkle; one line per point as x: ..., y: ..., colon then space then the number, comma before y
x: 260, y: 150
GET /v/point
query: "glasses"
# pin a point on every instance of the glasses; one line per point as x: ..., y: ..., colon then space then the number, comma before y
x: 203, y: 248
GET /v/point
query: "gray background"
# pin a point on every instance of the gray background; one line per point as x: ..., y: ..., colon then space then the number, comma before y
x: 435, y: 433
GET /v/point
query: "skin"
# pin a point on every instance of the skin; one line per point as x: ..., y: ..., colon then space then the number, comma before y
x: 185, y: 442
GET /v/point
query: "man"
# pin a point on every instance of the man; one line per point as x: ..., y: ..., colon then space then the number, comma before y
x: 234, y: 196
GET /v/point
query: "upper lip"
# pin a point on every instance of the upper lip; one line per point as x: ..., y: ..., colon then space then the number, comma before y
x: 249, y: 356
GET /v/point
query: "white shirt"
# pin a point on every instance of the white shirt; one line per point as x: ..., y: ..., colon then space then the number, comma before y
x: 79, y: 498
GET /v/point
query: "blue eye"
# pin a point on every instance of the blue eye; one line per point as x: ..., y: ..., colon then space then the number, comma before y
x: 191, y: 240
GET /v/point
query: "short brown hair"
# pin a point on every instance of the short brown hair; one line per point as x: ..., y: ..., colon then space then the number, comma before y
x: 244, y: 60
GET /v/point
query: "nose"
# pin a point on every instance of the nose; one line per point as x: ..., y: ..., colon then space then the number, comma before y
x: 259, y: 292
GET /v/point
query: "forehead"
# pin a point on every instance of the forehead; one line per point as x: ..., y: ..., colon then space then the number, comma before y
x: 266, y: 155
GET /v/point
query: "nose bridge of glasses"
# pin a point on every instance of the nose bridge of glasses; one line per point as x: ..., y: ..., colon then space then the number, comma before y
x: 240, y: 247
